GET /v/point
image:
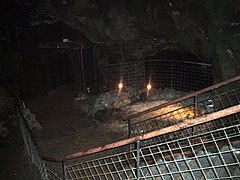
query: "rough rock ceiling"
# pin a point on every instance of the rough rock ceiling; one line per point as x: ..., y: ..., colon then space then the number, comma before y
x: 209, y: 29
x: 138, y: 28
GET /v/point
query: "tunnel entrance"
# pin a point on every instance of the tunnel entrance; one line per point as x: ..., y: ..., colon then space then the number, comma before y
x: 179, y: 75
x: 74, y: 66
x: 172, y: 69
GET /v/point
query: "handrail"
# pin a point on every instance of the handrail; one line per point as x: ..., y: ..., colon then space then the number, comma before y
x: 183, y: 125
x: 178, y: 61
x: 163, y: 60
x: 194, y: 94
x: 4, y: 97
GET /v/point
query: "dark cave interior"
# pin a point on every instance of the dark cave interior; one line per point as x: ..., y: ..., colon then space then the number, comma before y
x: 54, y: 52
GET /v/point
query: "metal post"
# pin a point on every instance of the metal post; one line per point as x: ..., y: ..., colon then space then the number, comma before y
x: 74, y: 71
x: 172, y: 76
x: 195, y: 111
x: 45, y: 174
x: 129, y: 128
x: 195, y: 105
x: 64, y: 170
x: 129, y: 132
x: 138, y: 160
x: 82, y: 66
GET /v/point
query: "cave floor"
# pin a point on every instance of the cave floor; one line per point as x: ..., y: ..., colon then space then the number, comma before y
x: 15, y: 164
x: 67, y: 127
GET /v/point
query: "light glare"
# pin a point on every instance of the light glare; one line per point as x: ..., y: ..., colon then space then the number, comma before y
x: 120, y: 85
x: 149, y: 86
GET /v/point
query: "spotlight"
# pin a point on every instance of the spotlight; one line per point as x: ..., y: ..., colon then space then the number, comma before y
x: 149, y: 86
x: 120, y: 85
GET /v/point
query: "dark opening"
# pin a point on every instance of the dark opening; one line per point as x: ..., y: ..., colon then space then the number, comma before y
x: 179, y: 70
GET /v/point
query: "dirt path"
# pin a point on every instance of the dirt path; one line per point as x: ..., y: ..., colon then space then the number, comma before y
x: 67, y: 125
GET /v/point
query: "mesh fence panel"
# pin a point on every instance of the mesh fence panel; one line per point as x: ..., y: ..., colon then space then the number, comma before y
x: 119, y: 166
x: 184, y: 110
x: 178, y: 75
x: 130, y: 73
x: 208, y: 153
x: 6, y: 105
x: 45, y: 170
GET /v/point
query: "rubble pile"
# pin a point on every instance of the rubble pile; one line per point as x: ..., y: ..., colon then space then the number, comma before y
x: 133, y: 101
x: 112, y: 107
x: 31, y: 119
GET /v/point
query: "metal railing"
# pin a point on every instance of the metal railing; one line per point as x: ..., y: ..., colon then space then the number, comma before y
x: 205, y: 101
x: 203, y: 147
x: 46, y: 171
x: 178, y: 75
x: 7, y: 105
x: 211, y: 153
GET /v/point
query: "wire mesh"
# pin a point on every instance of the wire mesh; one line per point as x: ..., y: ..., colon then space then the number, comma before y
x: 184, y: 110
x: 45, y: 170
x: 207, y: 150
x: 178, y: 75
x: 209, y: 153
x: 52, y: 174
x: 130, y: 73
x: 6, y: 105
x: 118, y: 166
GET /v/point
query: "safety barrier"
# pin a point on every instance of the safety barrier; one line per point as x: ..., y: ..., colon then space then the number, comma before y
x: 178, y: 75
x: 210, y: 153
x: 45, y: 170
x: 203, y: 147
x: 7, y: 105
x: 202, y: 102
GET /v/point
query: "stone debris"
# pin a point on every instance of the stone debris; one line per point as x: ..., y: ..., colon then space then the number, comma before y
x: 31, y: 119
x: 114, y: 99
x: 81, y: 96
x: 112, y: 107
x: 143, y: 96
x: 170, y: 94
x: 101, y: 114
x: 132, y: 101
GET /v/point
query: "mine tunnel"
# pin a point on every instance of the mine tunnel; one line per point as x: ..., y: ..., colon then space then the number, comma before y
x: 119, y: 89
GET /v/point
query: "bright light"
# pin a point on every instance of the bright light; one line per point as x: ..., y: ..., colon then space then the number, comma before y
x: 149, y: 86
x: 120, y: 85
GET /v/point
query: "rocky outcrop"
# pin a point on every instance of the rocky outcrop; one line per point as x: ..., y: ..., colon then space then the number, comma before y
x: 136, y: 29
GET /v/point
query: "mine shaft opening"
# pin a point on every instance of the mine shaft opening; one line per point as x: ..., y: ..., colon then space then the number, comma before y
x: 173, y: 69
x: 179, y: 70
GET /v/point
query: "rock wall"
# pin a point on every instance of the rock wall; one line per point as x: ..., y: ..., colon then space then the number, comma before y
x: 210, y: 29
